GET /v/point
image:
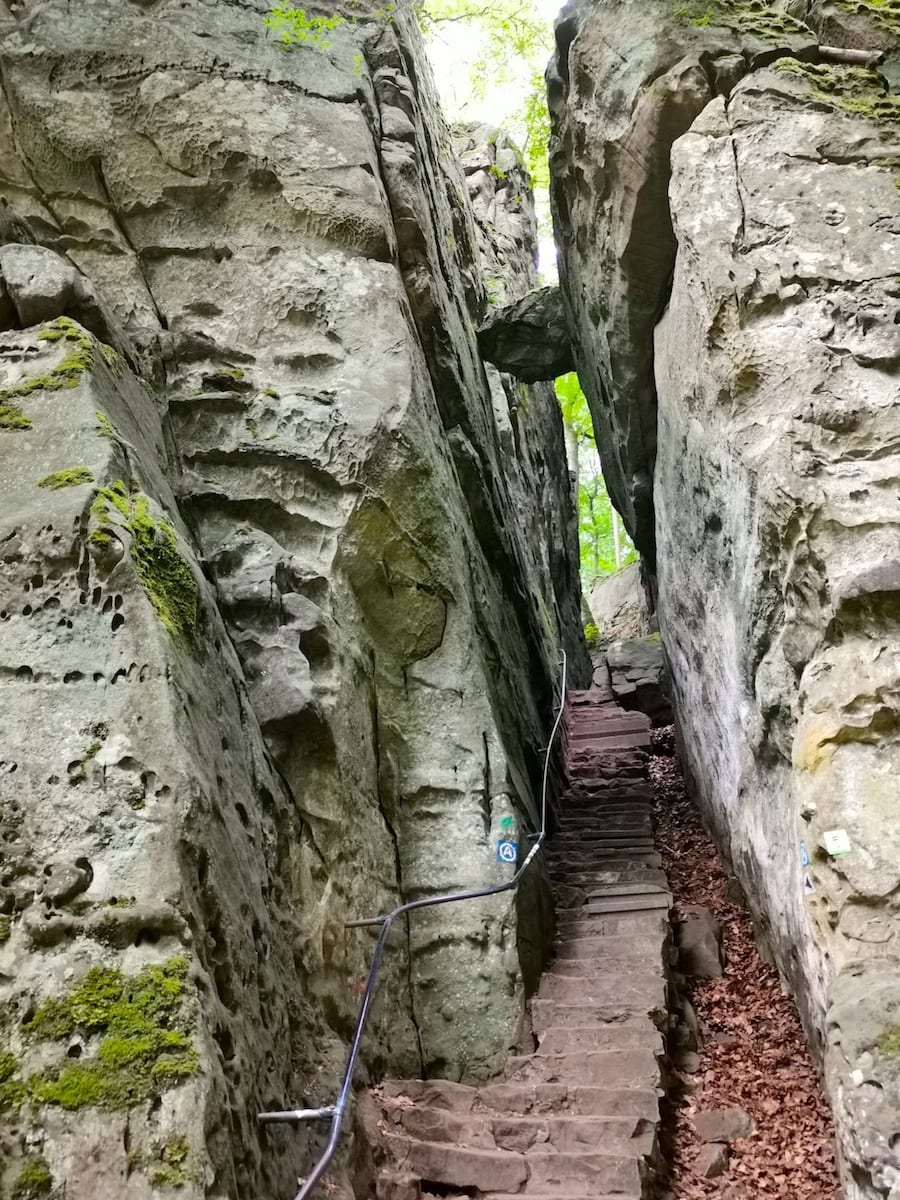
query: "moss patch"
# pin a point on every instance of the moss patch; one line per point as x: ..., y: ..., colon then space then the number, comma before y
x: 12, y: 1088
x: 854, y: 90
x: 105, y: 426
x: 33, y: 1180
x: 12, y: 417
x: 162, y: 571
x: 889, y: 1042
x: 752, y: 17
x: 73, y: 477
x: 112, y: 358
x: 145, y: 1047
x: 5, y: 927
x: 66, y: 374
x: 884, y: 13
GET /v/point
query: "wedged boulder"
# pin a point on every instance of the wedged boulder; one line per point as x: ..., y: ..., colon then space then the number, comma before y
x: 637, y: 668
x: 618, y: 605
x: 529, y: 338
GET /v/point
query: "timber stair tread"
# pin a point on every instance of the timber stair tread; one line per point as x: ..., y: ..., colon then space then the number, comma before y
x: 578, y: 1117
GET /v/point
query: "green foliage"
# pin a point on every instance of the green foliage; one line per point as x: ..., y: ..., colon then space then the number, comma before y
x: 596, y: 529
x: 33, y: 1180
x: 537, y: 130
x: 592, y: 636
x: 162, y: 571
x: 294, y: 28
x: 145, y: 1048
x: 596, y: 534
x: 112, y: 358
x: 5, y: 928
x: 73, y: 477
x: 889, y: 1042
x: 517, y: 42
x: 574, y: 408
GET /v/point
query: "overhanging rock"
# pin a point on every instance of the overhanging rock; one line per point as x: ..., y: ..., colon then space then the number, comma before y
x: 530, y: 338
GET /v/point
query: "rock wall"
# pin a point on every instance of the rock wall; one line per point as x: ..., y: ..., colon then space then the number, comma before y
x: 741, y: 341
x: 284, y: 580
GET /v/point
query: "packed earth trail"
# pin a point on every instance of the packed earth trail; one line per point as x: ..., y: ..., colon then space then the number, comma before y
x: 579, y: 1116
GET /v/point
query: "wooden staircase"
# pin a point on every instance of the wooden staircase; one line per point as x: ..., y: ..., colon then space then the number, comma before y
x: 578, y: 1117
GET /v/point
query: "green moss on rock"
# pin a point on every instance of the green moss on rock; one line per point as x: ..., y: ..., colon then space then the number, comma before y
x: 855, y: 90
x: 145, y: 1048
x: 112, y: 358
x: 889, y: 1042
x: 73, y: 477
x: 13, y: 1091
x: 105, y: 426
x: 12, y: 417
x: 751, y: 17
x: 33, y: 1180
x: 163, y: 572
x: 66, y: 374
x: 5, y: 928
x: 884, y: 13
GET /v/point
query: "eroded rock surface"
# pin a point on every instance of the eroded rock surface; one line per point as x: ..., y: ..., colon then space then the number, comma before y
x: 774, y: 441
x: 340, y: 686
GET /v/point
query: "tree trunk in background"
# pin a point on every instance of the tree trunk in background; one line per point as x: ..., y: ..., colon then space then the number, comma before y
x: 617, y: 539
x: 572, y: 455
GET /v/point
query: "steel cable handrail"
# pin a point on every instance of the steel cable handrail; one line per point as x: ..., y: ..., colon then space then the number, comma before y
x: 337, y: 1110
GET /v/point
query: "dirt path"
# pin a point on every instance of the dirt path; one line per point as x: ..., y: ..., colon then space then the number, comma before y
x: 754, y: 1055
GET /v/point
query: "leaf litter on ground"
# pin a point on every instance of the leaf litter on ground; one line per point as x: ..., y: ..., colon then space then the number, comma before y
x: 753, y: 1055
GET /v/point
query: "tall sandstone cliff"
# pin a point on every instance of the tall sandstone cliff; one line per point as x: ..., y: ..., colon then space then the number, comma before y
x: 284, y: 580
x: 729, y: 219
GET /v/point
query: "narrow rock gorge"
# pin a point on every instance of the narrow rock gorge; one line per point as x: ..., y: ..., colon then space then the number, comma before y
x: 290, y: 552
x: 725, y: 184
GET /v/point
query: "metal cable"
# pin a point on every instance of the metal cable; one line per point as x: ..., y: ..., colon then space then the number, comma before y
x: 337, y: 1110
